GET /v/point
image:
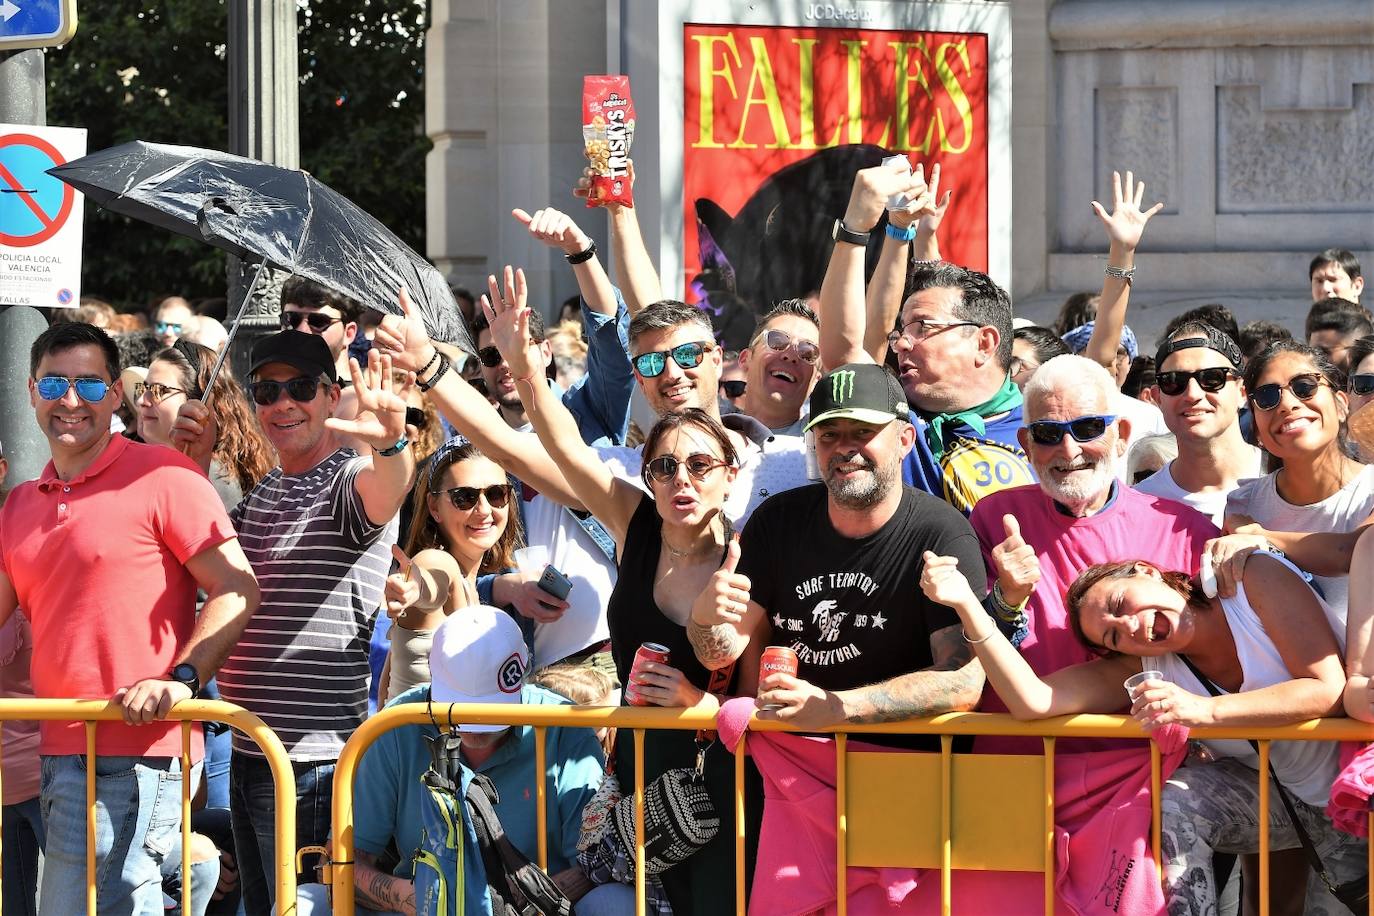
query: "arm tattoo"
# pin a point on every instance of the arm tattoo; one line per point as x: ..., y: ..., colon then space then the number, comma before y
x: 952, y: 684
x: 716, y: 646
x: 376, y: 889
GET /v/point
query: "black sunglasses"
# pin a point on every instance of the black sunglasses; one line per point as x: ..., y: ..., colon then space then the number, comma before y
x: 687, y: 356
x: 415, y: 417
x: 1304, y: 388
x: 734, y: 388
x: 490, y: 357
x: 302, y: 388
x: 465, y: 498
x: 1362, y: 384
x: 1212, y: 379
x: 318, y: 321
x: 664, y: 467
x: 1083, y: 429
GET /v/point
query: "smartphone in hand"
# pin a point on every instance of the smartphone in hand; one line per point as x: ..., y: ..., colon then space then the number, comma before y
x: 555, y: 583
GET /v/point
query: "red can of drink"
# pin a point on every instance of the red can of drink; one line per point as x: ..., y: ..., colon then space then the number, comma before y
x: 777, y: 659
x: 647, y: 652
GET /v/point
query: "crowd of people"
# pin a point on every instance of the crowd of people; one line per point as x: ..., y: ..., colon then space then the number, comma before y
x: 933, y: 504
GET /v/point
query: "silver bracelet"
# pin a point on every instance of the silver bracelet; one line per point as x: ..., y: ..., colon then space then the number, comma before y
x: 975, y: 642
x: 1121, y: 273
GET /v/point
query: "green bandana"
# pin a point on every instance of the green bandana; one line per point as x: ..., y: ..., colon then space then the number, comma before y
x: 1006, y: 398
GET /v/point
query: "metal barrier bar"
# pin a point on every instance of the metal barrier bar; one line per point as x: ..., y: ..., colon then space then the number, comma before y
x: 640, y: 718
x: 1156, y: 816
x: 540, y: 791
x: 841, y: 825
x: 91, y: 712
x: 186, y: 817
x: 1264, y: 828
x: 946, y: 815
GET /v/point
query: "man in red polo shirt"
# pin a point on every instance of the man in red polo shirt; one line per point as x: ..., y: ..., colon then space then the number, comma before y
x: 104, y: 553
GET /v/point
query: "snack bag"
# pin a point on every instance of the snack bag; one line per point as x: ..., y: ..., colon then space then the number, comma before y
x: 608, y: 129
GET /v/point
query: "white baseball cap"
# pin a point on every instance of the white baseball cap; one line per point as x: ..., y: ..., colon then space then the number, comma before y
x: 478, y: 656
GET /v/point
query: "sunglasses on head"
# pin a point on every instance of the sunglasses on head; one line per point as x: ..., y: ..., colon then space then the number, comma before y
x: 54, y: 388
x: 1362, y: 385
x: 1212, y: 380
x: 155, y: 390
x: 664, y: 467
x: 807, y: 351
x: 302, y: 388
x: 1083, y: 429
x: 734, y: 388
x: 318, y: 321
x: 165, y: 327
x: 465, y: 498
x: 1304, y: 388
x: 687, y: 356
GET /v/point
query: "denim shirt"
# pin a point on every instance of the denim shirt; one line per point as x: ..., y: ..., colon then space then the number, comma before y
x: 600, y: 400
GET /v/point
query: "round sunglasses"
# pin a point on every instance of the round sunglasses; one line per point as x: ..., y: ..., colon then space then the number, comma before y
x: 465, y: 498
x: 1212, y: 379
x: 1303, y: 386
x: 687, y: 356
x: 55, y: 387
x: 267, y: 392
x: 664, y: 467
x: 156, y: 391
x: 1083, y: 429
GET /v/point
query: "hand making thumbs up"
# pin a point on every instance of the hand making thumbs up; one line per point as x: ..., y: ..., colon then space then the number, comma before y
x: 1017, y: 566
x: 726, y: 598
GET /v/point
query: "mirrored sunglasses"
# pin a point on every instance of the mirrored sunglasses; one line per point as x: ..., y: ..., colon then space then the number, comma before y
x: 465, y: 498
x: 55, y: 387
x: 1304, y: 388
x: 1211, y: 380
x: 165, y: 327
x: 302, y: 388
x: 1083, y: 429
x: 687, y: 356
x: 807, y: 351
x: 156, y: 391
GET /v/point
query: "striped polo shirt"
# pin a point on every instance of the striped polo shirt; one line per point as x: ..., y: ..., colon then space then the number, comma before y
x: 301, y: 663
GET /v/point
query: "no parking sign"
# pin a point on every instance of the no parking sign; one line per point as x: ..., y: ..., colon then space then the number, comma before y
x: 40, y: 217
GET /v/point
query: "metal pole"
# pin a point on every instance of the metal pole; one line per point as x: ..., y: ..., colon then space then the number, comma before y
x: 263, y: 124
x: 23, y: 88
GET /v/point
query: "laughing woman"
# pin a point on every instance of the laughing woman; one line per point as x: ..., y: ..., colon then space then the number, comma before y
x: 1266, y: 656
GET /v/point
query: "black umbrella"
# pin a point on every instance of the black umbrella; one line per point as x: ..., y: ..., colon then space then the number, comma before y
x: 269, y: 215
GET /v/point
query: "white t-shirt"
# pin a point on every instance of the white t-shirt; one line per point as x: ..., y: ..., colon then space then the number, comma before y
x: 1342, y: 511
x: 573, y: 553
x: 1145, y: 420
x: 1211, y: 503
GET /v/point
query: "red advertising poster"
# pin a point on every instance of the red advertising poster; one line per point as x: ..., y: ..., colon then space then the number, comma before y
x: 779, y: 118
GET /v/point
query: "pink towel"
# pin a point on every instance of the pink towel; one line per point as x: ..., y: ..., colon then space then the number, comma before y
x: 1349, y: 807
x: 1102, y: 821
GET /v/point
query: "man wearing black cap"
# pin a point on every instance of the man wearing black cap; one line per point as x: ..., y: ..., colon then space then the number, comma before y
x: 318, y: 531
x: 845, y: 595
x: 1199, y: 389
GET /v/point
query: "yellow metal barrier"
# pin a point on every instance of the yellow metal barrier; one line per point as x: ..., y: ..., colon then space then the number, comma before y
x: 856, y: 841
x: 93, y: 711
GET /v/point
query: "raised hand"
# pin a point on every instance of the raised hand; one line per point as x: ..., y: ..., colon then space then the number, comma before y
x: 583, y: 188
x: 508, y: 318
x: 402, y: 590
x: 872, y: 188
x: 1127, y: 221
x: 942, y: 582
x: 726, y: 597
x: 934, y: 212
x: 555, y: 229
x: 1017, y: 566
x: 404, y: 337
x: 381, y: 419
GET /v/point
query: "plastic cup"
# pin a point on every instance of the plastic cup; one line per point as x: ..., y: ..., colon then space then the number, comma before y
x: 531, y: 562
x: 1136, y: 681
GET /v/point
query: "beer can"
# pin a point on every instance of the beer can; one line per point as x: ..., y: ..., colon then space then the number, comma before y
x: 647, y: 652
x: 777, y: 659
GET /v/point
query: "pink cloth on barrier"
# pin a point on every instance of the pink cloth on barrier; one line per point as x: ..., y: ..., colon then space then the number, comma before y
x: 1102, y: 825
x: 1349, y: 806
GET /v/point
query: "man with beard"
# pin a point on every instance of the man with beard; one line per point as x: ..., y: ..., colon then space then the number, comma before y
x: 1078, y: 515
x: 833, y: 571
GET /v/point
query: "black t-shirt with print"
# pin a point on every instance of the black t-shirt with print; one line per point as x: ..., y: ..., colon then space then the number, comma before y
x: 852, y: 608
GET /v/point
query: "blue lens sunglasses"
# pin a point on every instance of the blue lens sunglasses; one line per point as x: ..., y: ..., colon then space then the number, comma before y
x: 54, y: 388
x: 687, y: 356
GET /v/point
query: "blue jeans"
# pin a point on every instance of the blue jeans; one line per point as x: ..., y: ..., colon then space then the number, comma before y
x: 23, y: 840
x: 138, y: 821
x: 252, y: 807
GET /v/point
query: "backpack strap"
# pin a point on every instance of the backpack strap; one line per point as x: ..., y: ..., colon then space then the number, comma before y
x: 523, y: 888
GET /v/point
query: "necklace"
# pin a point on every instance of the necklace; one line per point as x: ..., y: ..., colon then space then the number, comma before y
x: 682, y: 554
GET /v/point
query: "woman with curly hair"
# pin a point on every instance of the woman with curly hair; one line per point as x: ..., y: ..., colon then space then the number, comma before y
x: 463, y: 526
x: 242, y: 455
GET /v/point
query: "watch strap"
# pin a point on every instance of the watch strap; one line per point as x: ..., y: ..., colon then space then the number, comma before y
x: 842, y: 233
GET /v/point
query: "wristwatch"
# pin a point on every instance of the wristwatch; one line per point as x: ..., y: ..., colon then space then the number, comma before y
x: 186, y: 673
x: 842, y: 233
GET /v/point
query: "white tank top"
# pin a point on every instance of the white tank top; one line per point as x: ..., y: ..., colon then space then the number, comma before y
x: 1306, y: 768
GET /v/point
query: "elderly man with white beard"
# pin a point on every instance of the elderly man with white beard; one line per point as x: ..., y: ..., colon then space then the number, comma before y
x: 1037, y: 539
